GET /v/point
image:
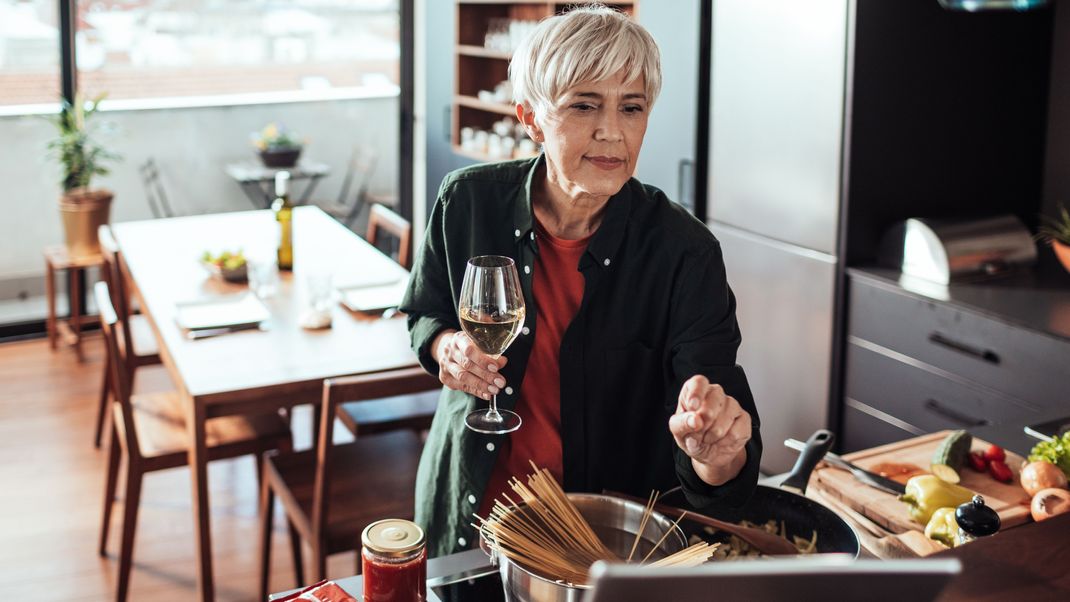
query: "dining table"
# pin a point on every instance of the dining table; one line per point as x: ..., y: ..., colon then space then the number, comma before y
x: 255, y: 371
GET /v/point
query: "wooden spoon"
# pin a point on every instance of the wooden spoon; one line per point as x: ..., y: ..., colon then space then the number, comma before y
x: 766, y: 543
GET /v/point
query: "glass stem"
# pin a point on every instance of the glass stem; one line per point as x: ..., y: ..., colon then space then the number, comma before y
x: 492, y: 411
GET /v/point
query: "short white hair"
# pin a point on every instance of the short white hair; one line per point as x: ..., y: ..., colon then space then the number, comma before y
x: 588, y: 43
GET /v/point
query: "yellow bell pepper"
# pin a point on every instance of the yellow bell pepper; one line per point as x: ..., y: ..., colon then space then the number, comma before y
x: 943, y: 527
x: 927, y: 493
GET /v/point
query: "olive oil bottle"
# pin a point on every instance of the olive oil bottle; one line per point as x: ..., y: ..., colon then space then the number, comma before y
x: 283, y: 209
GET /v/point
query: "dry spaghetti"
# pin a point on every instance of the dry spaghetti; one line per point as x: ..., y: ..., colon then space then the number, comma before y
x: 545, y: 532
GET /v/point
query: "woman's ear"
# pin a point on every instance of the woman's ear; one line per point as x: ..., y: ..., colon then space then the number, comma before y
x: 526, y: 116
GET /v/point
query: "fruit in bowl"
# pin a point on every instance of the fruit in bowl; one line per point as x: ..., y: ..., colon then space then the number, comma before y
x: 230, y: 266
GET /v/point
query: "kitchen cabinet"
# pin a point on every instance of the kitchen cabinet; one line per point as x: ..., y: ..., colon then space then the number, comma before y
x: 668, y: 157
x: 965, y: 356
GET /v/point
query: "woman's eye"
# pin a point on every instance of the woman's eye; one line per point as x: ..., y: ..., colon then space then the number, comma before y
x: 633, y: 109
x: 583, y: 107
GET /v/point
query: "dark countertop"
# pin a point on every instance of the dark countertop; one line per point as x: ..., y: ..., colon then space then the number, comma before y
x: 1025, y: 563
x: 1037, y: 299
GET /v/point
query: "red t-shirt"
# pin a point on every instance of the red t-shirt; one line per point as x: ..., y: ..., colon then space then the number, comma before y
x: 558, y: 290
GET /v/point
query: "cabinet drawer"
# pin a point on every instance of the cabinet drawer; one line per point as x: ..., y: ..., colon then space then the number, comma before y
x: 863, y: 428
x: 921, y: 398
x: 1024, y: 364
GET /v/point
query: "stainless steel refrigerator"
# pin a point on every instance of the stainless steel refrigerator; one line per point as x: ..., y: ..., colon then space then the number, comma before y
x: 776, y: 142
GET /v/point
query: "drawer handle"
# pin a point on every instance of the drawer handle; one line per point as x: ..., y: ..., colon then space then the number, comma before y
x: 935, y: 407
x: 985, y: 355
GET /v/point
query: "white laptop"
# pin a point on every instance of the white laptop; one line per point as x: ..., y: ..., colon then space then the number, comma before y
x: 824, y: 577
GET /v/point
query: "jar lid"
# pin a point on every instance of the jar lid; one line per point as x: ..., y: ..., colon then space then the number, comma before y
x: 393, y: 537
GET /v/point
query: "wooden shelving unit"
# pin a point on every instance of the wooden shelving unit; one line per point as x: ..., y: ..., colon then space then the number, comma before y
x: 482, y: 68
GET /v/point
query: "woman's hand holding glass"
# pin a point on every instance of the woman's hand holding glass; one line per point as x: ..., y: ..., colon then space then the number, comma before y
x: 463, y: 367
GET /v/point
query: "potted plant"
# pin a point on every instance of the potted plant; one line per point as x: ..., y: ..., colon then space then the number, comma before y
x: 1057, y: 232
x: 82, y: 208
x: 278, y: 146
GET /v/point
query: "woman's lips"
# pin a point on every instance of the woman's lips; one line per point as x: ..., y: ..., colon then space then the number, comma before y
x: 606, y: 163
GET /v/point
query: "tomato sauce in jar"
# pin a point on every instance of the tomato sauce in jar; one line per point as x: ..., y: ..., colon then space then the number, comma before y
x: 394, y: 561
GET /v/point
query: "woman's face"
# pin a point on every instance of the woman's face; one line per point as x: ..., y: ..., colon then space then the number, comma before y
x: 592, y: 136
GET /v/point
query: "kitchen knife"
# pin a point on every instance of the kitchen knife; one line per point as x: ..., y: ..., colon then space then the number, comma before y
x: 869, y: 478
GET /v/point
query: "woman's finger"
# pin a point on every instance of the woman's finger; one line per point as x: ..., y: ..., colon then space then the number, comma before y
x: 484, y: 367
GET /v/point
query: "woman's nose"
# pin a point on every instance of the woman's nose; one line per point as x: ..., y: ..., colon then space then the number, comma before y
x: 609, y: 127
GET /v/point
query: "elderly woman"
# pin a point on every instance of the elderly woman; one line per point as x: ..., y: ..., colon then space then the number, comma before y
x: 625, y: 371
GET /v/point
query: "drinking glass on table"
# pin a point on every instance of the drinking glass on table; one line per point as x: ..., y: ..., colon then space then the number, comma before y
x: 491, y: 310
x: 263, y: 277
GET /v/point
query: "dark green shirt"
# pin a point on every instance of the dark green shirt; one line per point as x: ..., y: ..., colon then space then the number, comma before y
x: 656, y: 310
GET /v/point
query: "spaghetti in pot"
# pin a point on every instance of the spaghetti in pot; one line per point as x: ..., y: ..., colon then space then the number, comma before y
x: 544, y: 532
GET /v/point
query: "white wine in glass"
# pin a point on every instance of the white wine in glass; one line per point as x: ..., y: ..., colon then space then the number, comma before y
x: 491, y: 310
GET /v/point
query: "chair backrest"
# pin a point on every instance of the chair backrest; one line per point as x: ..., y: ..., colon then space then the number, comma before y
x: 154, y: 190
x: 117, y: 364
x: 358, y: 177
x: 383, y: 218
x: 115, y: 275
x: 336, y: 391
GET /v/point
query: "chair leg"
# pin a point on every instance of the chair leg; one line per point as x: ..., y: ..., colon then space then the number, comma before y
x: 267, y: 505
x: 320, y: 560
x: 110, y: 483
x: 126, y: 552
x: 295, y: 552
x: 102, y: 409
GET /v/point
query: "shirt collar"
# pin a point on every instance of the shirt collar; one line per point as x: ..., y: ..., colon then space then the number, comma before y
x: 605, y: 242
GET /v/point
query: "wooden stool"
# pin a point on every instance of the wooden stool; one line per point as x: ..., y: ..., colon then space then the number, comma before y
x: 57, y: 258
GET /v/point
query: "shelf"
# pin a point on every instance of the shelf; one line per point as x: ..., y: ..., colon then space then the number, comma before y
x: 470, y: 50
x: 493, y: 107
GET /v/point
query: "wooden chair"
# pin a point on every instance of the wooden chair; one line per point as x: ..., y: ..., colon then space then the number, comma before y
x: 354, y: 194
x: 332, y: 492
x: 150, y: 431
x: 382, y: 218
x: 134, y: 333
x: 412, y: 412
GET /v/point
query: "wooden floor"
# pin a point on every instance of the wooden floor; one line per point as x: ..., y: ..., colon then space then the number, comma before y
x: 51, y: 491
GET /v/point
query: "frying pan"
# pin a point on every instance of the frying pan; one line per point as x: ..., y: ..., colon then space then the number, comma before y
x: 801, y: 515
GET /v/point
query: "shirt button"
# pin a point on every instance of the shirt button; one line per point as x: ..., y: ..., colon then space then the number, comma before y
x: 525, y: 330
x: 490, y: 447
x: 508, y: 390
x: 471, y: 499
x: 462, y: 541
x: 527, y: 269
x: 606, y: 262
x: 517, y: 232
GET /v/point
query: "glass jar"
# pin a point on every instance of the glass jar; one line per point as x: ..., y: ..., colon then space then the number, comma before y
x: 394, y: 561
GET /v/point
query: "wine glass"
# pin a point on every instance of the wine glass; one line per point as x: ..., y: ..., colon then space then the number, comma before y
x: 491, y: 310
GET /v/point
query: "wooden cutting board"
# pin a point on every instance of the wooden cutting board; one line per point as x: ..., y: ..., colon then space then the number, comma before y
x: 1007, y: 499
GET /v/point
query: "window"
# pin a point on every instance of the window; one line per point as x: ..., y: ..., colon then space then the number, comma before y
x: 139, y: 49
x: 29, y: 52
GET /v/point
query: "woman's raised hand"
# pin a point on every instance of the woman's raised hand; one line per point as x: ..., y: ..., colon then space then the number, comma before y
x: 711, y: 428
x: 463, y: 367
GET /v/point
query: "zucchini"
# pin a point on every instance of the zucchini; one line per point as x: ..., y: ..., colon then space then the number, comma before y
x: 950, y: 456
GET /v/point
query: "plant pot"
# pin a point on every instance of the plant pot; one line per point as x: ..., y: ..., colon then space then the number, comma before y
x: 1062, y: 251
x: 280, y: 157
x: 83, y: 212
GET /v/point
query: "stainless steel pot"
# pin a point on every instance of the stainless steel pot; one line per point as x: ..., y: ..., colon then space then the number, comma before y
x: 616, y: 522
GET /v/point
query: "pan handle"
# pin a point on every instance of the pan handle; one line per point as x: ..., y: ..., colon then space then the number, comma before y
x: 816, y: 447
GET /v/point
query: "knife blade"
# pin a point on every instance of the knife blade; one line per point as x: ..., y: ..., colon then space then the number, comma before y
x: 869, y: 478
x: 207, y: 333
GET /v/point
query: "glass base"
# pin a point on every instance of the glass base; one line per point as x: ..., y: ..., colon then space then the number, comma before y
x: 483, y: 421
